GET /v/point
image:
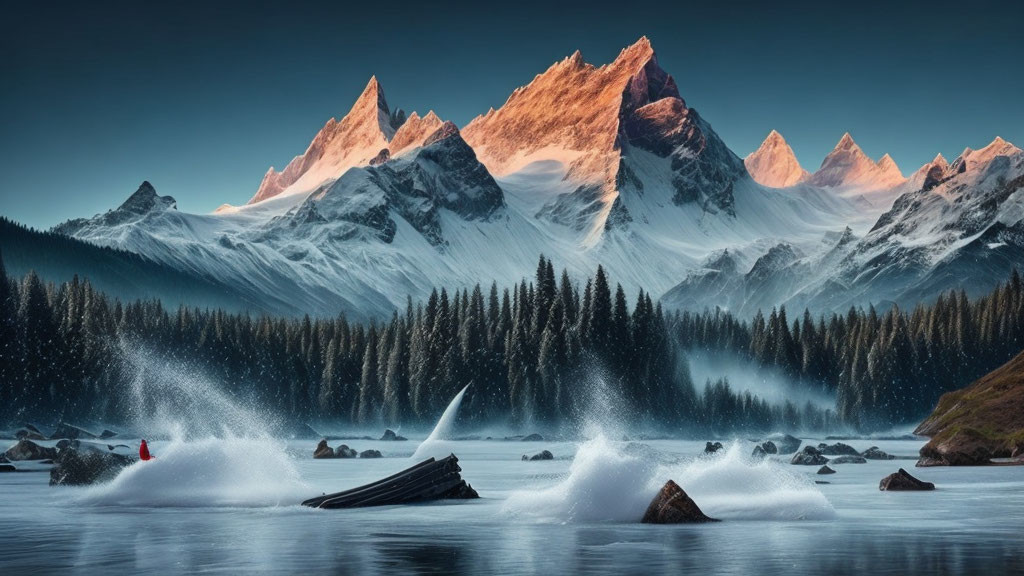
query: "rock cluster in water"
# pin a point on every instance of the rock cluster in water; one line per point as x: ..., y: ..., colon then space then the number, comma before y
x: 673, y: 506
x: 712, y: 447
x: 323, y: 452
x: 809, y: 456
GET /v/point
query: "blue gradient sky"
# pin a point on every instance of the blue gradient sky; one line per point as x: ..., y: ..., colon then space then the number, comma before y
x: 200, y: 99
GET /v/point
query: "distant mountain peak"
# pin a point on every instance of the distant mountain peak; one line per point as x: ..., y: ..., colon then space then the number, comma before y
x: 774, y: 164
x: 145, y: 200
x: 847, y: 166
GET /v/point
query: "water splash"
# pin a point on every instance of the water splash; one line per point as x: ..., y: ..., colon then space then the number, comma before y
x: 610, y: 482
x: 173, y: 400
x: 221, y: 451
x: 235, y: 472
x: 438, y: 444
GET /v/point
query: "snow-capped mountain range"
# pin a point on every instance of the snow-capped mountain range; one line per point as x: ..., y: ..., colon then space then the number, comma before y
x: 586, y: 165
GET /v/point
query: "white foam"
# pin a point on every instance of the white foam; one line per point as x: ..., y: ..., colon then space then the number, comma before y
x: 233, y: 472
x: 439, y: 444
x: 607, y: 484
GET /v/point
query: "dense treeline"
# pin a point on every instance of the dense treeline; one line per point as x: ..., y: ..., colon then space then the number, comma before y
x: 537, y: 353
x: 885, y: 368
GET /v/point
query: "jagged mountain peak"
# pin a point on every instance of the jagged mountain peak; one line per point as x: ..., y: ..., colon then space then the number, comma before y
x: 889, y: 166
x: 846, y: 143
x: 588, y: 119
x: 848, y: 167
x: 971, y: 159
x: 145, y: 200
x: 414, y: 132
x: 774, y: 164
x: 356, y: 139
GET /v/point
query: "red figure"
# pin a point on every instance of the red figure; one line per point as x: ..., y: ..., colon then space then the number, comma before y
x: 144, y: 451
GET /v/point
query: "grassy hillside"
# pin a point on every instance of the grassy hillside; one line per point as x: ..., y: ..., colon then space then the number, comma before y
x: 984, y: 420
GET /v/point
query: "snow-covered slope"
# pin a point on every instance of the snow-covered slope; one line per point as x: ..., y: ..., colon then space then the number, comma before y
x: 774, y: 165
x: 961, y: 226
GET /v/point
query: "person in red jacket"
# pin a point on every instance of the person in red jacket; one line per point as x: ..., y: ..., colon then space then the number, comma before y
x: 144, y: 451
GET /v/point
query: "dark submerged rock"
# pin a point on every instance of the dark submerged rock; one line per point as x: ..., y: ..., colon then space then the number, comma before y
x: 344, y: 451
x: 902, y: 480
x: 785, y: 443
x: 542, y: 455
x: 673, y: 506
x: 758, y: 453
x: 370, y: 454
x: 29, y: 450
x: 711, y: 448
x: 390, y: 436
x: 848, y: 460
x: 323, y: 450
x: 809, y: 456
x: 826, y: 470
x: 769, y: 447
x: 77, y: 468
x: 838, y: 449
x: 7, y: 468
x: 533, y: 438
x: 874, y: 453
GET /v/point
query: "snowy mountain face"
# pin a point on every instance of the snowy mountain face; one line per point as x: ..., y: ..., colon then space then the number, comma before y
x: 774, y: 165
x: 960, y: 227
x: 586, y: 122
x: 586, y: 165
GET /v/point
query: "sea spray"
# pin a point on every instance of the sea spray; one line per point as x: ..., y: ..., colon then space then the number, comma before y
x: 615, y: 482
x: 221, y: 452
x: 438, y: 444
x: 605, y: 483
x: 732, y: 485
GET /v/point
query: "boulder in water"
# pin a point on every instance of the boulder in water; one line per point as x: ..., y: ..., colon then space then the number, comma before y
x: 874, y: 453
x: 77, y: 468
x: 826, y: 470
x: 769, y: 447
x: 323, y: 451
x: 29, y: 450
x: 542, y: 455
x: 758, y: 453
x: 712, y: 447
x: 344, y: 451
x: 7, y: 468
x: 65, y: 430
x: 390, y: 436
x: 533, y: 438
x: 370, y: 454
x: 785, y: 443
x: 809, y: 456
x: 673, y: 506
x: 846, y: 459
x: 837, y: 449
x: 902, y: 480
